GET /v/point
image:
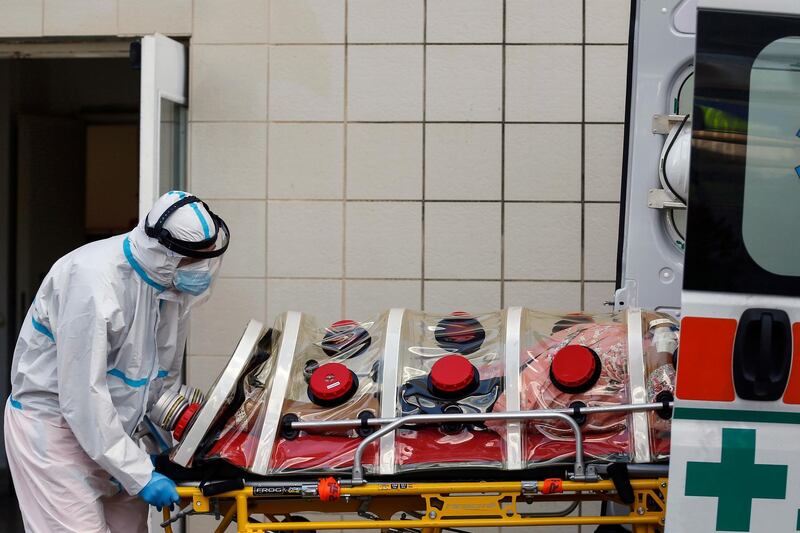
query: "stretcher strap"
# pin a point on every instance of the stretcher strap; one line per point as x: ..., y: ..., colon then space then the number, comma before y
x: 512, y: 386
x: 618, y: 472
x: 389, y: 384
x: 280, y: 382
x: 636, y: 375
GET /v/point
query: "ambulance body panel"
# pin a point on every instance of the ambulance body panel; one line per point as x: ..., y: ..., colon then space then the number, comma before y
x: 733, y: 464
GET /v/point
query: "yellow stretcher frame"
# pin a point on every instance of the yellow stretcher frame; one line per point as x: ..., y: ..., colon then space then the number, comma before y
x: 436, y: 505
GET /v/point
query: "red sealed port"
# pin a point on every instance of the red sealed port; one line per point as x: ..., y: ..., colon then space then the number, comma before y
x: 332, y: 384
x: 575, y: 368
x: 184, y: 420
x: 453, y: 375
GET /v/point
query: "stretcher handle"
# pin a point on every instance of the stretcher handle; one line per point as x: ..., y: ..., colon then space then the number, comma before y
x: 306, y: 425
x: 213, y: 488
x: 578, y: 471
x: 169, y: 518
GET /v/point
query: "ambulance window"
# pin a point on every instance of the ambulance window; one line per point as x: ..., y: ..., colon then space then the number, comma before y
x: 743, y: 217
x: 771, y: 202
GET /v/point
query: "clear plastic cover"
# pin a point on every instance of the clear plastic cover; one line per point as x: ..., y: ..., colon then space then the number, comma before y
x: 661, y: 349
x: 592, y: 353
x: 450, y: 364
x: 335, y: 375
x: 235, y: 439
x: 254, y: 347
x: 511, y: 360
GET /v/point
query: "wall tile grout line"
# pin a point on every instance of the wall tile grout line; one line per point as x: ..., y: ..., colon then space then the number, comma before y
x: 601, y: 123
x: 343, y: 285
x: 357, y: 278
x: 297, y: 268
x: 424, y: 149
x: 583, y: 156
x: 583, y: 178
x: 415, y: 43
x: 503, y: 73
x: 266, y: 190
x: 415, y: 200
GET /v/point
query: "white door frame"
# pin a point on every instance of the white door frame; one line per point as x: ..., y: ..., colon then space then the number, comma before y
x: 163, y: 76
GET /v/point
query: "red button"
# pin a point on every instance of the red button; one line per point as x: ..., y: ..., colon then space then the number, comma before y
x: 575, y: 367
x: 452, y: 374
x: 331, y: 381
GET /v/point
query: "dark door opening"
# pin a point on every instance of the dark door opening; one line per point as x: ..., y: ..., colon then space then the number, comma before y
x: 69, y: 174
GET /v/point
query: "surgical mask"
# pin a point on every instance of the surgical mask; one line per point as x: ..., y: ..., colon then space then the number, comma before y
x: 192, y: 281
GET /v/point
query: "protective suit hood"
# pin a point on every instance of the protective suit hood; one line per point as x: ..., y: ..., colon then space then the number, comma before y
x: 156, y: 264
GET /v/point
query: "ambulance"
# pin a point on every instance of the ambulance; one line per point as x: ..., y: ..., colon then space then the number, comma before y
x: 714, y: 98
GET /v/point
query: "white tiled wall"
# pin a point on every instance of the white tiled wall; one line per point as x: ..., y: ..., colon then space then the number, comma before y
x: 368, y: 153
x: 437, y: 154
x: 445, y: 154
x: 430, y: 153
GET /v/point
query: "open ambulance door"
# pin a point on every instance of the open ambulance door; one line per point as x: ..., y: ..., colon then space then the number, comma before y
x: 735, y: 457
x: 656, y: 160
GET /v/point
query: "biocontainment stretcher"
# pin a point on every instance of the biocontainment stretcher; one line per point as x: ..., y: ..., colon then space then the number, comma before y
x: 420, y: 421
x: 405, y: 504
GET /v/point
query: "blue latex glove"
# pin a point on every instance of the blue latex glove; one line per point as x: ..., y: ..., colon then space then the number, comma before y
x: 160, y: 491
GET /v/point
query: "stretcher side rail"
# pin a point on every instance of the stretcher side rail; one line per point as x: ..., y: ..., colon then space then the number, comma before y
x: 359, y: 422
x: 434, y: 506
x: 579, y: 470
x: 357, y: 475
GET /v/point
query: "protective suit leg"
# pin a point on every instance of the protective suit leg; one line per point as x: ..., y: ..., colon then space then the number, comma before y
x: 126, y: 514
x: 58, y: 486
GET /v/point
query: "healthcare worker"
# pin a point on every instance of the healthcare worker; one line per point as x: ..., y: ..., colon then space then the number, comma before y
x: 102, y: 340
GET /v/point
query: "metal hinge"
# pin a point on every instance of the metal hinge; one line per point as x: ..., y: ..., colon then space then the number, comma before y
x: 662, y: 124
x: 661, y: 199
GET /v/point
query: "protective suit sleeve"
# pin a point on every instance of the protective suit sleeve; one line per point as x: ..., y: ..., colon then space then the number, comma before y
x: 82, y: 351
x: 173, y: 379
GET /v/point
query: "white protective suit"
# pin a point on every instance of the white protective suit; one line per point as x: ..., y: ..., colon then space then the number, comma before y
x: 104, y: 336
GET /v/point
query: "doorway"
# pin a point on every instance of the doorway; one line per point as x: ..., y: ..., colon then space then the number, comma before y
x: 69, y: 173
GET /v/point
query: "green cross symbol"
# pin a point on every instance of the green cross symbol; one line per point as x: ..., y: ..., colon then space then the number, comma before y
x: 737, y: 480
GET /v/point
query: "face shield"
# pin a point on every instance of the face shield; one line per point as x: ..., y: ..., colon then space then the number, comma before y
x: 201, y: 259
